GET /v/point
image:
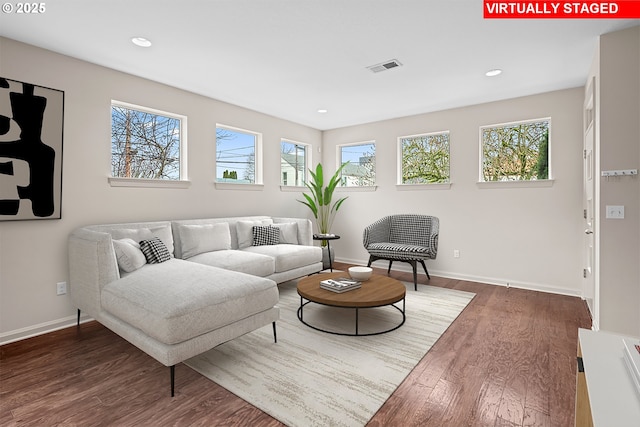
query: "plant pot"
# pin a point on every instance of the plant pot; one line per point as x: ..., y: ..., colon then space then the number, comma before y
x: 325, y: 257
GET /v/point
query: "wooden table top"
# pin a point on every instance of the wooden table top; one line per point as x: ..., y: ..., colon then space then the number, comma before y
x: 377, y: 291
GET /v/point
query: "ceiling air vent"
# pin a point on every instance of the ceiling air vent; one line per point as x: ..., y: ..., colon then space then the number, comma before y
x: 393, y: 63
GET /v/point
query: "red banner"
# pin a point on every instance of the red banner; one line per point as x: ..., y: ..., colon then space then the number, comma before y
x: 623, y: 9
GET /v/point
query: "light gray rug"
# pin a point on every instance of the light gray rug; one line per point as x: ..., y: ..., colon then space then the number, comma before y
x: 311, y: 378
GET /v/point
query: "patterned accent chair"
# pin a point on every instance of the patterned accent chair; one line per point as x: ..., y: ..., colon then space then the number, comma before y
x: 406, y: 237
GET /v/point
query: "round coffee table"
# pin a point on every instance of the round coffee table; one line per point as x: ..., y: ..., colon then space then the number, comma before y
x: 378, y: 291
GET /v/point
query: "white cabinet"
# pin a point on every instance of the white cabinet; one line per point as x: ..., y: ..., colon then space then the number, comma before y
x: 605, y: 395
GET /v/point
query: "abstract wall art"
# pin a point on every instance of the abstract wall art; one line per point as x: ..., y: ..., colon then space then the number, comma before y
x: 31, y: 134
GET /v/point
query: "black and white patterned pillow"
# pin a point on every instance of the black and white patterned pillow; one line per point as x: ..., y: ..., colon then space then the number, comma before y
x: 265, y: 235
x: 154, y: 250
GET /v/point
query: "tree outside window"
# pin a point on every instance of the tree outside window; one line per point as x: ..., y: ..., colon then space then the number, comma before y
x: 516, y: 151
x: 361, y: 169
x: 293, y: 163
x: 236, y: 155
x: 145, y: 143
x: 425, y: 158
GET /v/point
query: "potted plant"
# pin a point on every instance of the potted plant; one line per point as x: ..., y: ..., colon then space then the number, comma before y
x: 321, y: 199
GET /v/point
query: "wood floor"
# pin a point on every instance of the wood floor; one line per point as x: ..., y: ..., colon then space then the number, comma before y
x: 508, y: 360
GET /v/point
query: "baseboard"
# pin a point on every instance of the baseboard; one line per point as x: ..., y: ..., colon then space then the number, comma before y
x: 404, y: 267
x: 40, y: 329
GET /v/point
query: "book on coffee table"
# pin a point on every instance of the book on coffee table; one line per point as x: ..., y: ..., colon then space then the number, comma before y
x: 340, y: 284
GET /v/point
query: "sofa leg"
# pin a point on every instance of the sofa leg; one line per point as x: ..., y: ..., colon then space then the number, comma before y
x: 78, y: 323
x: 275, y: 337
x: 389, y: 269
x: 172, y: 371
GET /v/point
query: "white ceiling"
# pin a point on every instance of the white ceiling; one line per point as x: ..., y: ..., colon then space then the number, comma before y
x: 289, y: 58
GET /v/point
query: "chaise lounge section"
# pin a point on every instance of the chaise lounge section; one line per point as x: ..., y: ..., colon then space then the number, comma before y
x: 204, y: 282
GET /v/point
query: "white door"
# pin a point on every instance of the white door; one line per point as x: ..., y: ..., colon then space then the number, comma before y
x: 589, y: 290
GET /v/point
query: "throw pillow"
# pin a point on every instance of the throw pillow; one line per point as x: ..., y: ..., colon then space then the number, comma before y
x: 200, y: 238
x: 138, y: 234
x: 265, y: 235
x: 244, y: 230
x: 154, y: 251
x: 129, y: 256
x: 288, y: 232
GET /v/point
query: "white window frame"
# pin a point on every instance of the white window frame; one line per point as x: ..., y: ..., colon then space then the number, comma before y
x: 183, y: 181
x: 307, y: 166
x: 421, y: 186
x: 339, y: 162
x: 257, y: 158
x: 535, y: 183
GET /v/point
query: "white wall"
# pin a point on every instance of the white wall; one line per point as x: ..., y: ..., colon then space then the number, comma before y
x: 33, y: 254
x: 618, y: 138
x: 528, y: 237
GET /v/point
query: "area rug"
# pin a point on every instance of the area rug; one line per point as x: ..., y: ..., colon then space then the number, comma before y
x: 312, y: 378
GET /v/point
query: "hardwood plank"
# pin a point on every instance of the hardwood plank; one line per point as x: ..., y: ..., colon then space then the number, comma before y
x: 508, y: 360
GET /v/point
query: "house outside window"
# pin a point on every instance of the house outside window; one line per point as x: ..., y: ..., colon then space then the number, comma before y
x: 361, y: 170
x: 238, y: 155
x: 515, y: 151
x: 147, y: 144
x: 424, y: 158
x: 293, y: 163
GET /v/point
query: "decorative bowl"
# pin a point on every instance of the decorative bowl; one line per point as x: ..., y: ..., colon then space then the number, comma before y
x: 360, y: 273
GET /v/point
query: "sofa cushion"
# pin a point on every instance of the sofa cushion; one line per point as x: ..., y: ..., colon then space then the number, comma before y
x: 129, y: 256
x: 288, y: 257
x: 178, y: 300
x: 244, y: 231
x: 288, y: 232
x: 400, y: 251
x: 137, y: 234
x: 265, y: 235
x: 199, y: 238
x: 235, y: 260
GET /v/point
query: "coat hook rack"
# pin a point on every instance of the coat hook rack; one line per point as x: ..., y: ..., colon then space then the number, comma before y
x: 621, y: 172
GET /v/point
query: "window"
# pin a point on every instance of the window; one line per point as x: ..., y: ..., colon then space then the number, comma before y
x: 147, y: 144
x: 361, y: 170
x: 515, y: 151
x: 424, y: 159
x: 293, y: 163
x: 238, y: 156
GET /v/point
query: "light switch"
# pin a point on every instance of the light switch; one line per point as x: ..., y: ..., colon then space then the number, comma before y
x: 615, y: 212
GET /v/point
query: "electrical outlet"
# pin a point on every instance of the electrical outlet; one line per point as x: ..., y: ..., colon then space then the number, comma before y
x: 456, y: 253
x: 61, y: 288
x: 615, y: 212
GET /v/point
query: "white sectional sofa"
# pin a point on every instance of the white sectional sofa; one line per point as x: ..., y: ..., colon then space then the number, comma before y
x: 178, y: 288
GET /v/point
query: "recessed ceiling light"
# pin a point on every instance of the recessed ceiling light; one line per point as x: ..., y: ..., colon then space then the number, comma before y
x: 493, y: 73
x: 322, y: 111
x: 141, y: 41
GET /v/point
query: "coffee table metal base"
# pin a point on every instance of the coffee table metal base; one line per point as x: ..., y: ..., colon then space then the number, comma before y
x: 356, y: 334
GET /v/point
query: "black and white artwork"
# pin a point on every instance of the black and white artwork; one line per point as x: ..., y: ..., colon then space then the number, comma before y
x: 31, y: 125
